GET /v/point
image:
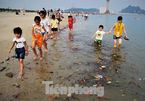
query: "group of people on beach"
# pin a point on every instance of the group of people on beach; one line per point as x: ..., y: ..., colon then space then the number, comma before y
x: 43, y: 29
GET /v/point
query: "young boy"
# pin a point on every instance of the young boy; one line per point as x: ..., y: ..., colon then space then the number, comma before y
x: 70, y: 26
x: 99, y: 35
x: 54, y: 28
x: 37, y: 37
x: 119, y: 29
x: 46, y: 24
x: 21, y: 46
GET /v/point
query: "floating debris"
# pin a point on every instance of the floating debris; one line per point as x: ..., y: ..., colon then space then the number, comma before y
x: 108, y: 79
x: 102, y: 67
x: 116, y: 70
x: 98, y: 77
x: 69, y: 95
x: 109, y: 82
x: 123, y: 94
x: 10, y: 75
x: 141, y: 79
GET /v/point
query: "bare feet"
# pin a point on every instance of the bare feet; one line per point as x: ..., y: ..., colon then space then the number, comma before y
x: 45, y: 50
x: 35, y: 58
x: 41, y: 58
x: 20, y: 76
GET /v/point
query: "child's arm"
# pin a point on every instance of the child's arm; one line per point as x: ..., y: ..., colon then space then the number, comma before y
x: 12, y: 47
x: 93, y: 36
x: 32, y: 31
x: 124, y: 31
x: 44, y: 28
x: 112, y: 28
x: 33, y: 34
x: 108, y: 32
x: 26, y: 47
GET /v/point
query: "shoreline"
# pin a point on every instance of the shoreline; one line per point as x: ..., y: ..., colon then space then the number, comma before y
x: 68, y: 63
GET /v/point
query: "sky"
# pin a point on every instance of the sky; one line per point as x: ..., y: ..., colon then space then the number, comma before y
x: 115, y: 5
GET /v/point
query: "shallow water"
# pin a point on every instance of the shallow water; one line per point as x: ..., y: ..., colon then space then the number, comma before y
x: 128, y: 61
x: 69, y: 63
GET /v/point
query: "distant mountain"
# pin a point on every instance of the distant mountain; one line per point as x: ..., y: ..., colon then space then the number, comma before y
x: 133, y: 9
x: 14, y: 10
x: 77, y: 10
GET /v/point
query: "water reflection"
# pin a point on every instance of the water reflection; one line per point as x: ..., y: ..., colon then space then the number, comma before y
x: 117, y: 59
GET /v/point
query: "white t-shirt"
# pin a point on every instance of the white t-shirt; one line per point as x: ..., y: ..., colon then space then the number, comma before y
x: 99, y: 35
x: 19, y: 42
x: 46, y: 24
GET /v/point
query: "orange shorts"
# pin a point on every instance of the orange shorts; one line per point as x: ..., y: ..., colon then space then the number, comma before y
x: 37, y: 40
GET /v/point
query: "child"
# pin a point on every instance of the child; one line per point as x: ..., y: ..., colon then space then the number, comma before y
x: 46, y: 24
x: 54, y: 27
x: 119, y: 28
x: 99, y: 35
x: 21, y: 46
x: 37, y: 37
x: 70, y: 22
x: 70, y: 25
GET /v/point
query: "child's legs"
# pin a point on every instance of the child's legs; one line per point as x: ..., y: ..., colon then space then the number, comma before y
x: 21, y: 64
x: 115, y: 43
x: 34, y: 48
x: 120, y: 42
x: 40, y: 51
x: 45, y: 45
x: 70, y: 35
x: 44, y: 42
x: 55, y: 35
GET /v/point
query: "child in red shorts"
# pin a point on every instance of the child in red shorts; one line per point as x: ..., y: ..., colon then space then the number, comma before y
x: 70, y: 26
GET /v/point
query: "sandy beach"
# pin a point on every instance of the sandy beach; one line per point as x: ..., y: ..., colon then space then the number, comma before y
x: 8, y: 22
x: 69, y: 63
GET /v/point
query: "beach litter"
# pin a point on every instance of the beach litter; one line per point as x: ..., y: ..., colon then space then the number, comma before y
x: 2, y: 69
x: 69, y: 95
x: 16, y: 85
x: 98, y: 77
x: 141, y: 79
x: 10, y: 75
x: 102, y: 67
x: 108, y: 80
x: 2, y: 62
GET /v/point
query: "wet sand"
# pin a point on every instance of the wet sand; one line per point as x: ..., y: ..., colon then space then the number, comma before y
x: 67, y: 63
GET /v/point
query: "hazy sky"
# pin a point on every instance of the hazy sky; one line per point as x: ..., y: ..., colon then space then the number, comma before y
x: 115, y: 5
